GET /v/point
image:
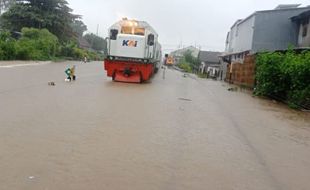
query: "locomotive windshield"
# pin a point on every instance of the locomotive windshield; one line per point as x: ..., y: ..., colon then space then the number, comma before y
x: 133, y: 30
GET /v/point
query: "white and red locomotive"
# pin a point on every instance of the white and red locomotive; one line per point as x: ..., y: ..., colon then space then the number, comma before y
x: 134, y: 53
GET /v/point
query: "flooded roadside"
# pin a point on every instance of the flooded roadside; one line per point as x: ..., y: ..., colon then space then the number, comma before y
x: 172, y: 133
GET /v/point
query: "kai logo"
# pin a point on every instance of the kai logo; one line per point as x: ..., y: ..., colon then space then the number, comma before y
x: 130, y: 43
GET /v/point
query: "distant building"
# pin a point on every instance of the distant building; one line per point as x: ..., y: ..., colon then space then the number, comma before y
x: 302, y: 20
x: 209, y: 62
x: 268, y: 30
x: 178, y: 54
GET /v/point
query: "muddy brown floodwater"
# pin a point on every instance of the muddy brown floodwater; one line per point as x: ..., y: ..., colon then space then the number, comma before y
x: 175, y: 133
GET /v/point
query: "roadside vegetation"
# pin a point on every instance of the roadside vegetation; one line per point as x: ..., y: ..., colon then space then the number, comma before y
x: 284, y: 76
x: 45, y: 30
x: 189, y: 63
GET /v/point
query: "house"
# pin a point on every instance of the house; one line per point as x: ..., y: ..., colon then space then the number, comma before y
x: 267, y: 30
x: 302, y: 20
x: 209, y: 62
x: 178, y: 54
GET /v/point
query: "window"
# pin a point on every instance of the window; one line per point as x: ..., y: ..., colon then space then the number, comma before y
x: 139, y: 31
x: 304, y: 30
x: 133, y: 30
x: 151, y: 40
x: 305, y: 25
x: 113, y: 34
x: 127, y: 30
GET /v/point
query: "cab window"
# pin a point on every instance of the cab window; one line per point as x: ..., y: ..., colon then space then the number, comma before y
x: 127, y: 30
x: 133, y: 30
x: 139, y: 31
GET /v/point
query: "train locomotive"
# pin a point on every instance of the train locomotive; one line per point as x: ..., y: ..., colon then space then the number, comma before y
x: 134, y: 53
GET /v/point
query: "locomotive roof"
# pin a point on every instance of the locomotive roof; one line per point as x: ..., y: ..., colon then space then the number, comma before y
x: 142, y: 24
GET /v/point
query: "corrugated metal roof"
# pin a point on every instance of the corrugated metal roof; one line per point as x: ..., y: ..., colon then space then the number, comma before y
x: 239, y: 22
x: 287, y: 6
x: 303, y: 15
x: 209, y: 56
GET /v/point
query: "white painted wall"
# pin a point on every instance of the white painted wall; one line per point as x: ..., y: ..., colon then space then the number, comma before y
x: 240, y: 37
x: 244, y: 35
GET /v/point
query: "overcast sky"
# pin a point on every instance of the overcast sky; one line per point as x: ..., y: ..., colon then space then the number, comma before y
x: 203, y: 23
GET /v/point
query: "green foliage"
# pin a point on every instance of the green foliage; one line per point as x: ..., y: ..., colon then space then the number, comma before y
x: 192, y: 61
x: 36, y: 44
x: 97, y: 43
x: 284, y: 76
x: 189, y: 63
x: 54, y: 15
x: 5, y: 4
x: 67, y: 49
x: 78, y: 28
x: 202, y: 75
x: 185, y: 66
x: 95, y: 56
x: 70, y: 50
x: 7, y: 46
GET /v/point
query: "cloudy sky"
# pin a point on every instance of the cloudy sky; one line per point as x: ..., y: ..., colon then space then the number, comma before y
x: 203, y: 23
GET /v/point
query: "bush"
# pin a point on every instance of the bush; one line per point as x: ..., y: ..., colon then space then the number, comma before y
x: 36, y: 44
x: 71, y: 50
x: 202, y: 75
x: 284, y: 76
x: 95, y: 56
x: 7, y: 46
x: 40, y: 44
x: 67, y: 49
x: 185, y: 66
x: 193, y: 62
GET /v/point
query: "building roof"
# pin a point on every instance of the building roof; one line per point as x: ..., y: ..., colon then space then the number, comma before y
x: 181, y: 52
x: 301, y: 16
x: 286, y: 7
x: 236, y: 23
x: 209, y: 56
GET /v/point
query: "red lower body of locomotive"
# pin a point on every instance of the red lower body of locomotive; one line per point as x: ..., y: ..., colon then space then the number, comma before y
x: 129, y: 71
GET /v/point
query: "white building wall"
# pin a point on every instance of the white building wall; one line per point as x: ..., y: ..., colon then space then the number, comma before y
x: 240, y: 37
x: 233, y: 38
x: 244, y: 35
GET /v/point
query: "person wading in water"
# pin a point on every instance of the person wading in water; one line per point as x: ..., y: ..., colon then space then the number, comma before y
x: 70, y: 72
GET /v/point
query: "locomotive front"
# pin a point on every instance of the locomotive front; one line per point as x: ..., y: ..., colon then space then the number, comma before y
x: 134, y: 53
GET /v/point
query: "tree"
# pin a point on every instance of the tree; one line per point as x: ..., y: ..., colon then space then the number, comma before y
x: 5, y: 5
x: 78, y: 28
x: 54, y: 15
x: 36, y: 44
x: 97, y: 43
x: 193, y: 61
x: 7, y: 46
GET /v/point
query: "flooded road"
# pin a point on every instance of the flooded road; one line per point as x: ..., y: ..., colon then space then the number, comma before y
x: 175, y: 133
